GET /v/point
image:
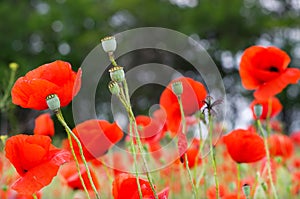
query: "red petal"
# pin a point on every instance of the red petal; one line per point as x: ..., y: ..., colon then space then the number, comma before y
x: 244, y: 146
x: 35, y: 179
x: 271, y: 88
x: 273, y: 102
x: 256, y: 62
x: 44, y: 125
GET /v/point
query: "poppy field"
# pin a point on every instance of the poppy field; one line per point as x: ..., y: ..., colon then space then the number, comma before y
x: 99, y: 159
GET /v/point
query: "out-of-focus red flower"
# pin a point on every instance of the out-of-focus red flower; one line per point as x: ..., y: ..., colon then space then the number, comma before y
x: 273, y: 102
x: 244, y: 146
x: 96, y: 137
x: 11, y: 194
x: 193, y: 96
x: 192, y: 153
x: 265, y: 69
x: 296, y: 183
x: 276, y: 126
x: 44, y: 125
x: 280, y: 145
x: 70, y: 176
x: 57, y: 78
x: 296, y: 163
x: 125, y: 186
x: 295, y: 136
x: 36, y: 161
x: 150, y: 129
x: 233, y: 196
x: 211, y: 192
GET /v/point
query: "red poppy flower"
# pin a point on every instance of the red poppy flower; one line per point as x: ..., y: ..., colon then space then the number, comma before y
x: 125, y: 186
x: 44, y: 125
x: 150, y: 129
x: 274, y: 103
x: 244, y: 146
x: 193, y: 155
x: 280, y: 145
x: 70, y: 176
x: 57, y: 78
x: 265, y: 69
x: 211, y: 192
x: 193, y: 96
x: 11, y: 194
x: 296, y: 137
x: 36, y: 161
x: 96, y: 137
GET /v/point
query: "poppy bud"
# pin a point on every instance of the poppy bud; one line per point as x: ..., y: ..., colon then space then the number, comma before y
x: 246, y: 190
x: 53, y: 102
x: 117, y: 74
x: 177, y: 88
x: 114, y: 88
x: 258, y: 109
x: 109, y: 44
x: 13, y: 66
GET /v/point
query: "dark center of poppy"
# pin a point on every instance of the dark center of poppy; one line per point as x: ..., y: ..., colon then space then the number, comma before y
x: 273, y: 69
x: 25, y: 170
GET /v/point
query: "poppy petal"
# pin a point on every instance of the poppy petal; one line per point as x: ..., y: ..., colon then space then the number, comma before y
x: 275, y: 86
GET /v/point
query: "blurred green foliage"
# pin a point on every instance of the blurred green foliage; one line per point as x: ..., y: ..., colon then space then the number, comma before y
x: 36, y: 32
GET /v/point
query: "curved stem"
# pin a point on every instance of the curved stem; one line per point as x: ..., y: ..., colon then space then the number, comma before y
x: 135, y: 163
x: 68, y: 130
x: 141, y: 149
x: 268, y: 159
x: 77, y: 165
x: 194, y: 188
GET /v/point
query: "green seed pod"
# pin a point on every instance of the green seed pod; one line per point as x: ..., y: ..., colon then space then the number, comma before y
x: 13, y: 66
x: 114, y: 88
x: 117, y: 74
x: 109, y: 44
x: 177, y: 88
x: 53, y: 102
x: 258, y: 109
x: 246, y: 190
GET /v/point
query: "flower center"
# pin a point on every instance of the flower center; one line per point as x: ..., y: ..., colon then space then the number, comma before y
x: 273, y: 69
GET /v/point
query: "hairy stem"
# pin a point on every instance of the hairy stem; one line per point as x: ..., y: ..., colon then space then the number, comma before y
x: 69, y: 131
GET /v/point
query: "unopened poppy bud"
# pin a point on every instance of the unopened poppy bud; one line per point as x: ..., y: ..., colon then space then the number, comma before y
x: 109, y: 44
x: 246, y: 190
x: 13, y: 66
x: 114, y: 88
x: 53, y: 102
x: 177, y: 88
x: 117, y: 74
x: 258, y: 109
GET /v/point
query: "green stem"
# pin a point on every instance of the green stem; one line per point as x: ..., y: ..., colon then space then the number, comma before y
x: 126, y: 90
x: 268, y: 159
x: 213, y: 156
x: 135, y: 163
x: 69, y: 131
x: 183, y: 122
x: 238, y: 180
x: 77, y: 165
x: 141, y: 149
x: 124, y: 100
x: 8, y: 89
x: 112, y: 59
x: 34, y: 196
